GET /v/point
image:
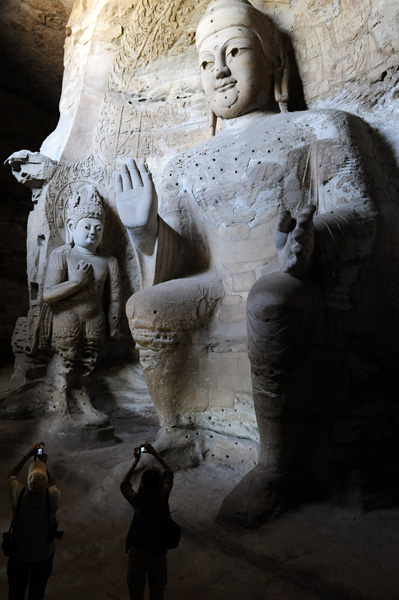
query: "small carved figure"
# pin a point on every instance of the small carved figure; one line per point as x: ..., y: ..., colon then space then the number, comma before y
x: 75, y: 283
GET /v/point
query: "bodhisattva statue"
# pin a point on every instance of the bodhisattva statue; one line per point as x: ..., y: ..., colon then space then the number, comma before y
x: 74, y: 289
x: 283, y: 199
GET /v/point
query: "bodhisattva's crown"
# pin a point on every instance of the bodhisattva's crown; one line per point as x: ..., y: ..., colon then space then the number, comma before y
x: 85, y: 203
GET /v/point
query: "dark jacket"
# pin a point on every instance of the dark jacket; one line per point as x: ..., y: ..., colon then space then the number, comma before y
x: 147, y: 529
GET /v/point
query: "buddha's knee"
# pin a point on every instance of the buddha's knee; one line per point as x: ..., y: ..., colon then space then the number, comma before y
x: 170, y: 310
x: 282, y: 311
x: 278, y: 294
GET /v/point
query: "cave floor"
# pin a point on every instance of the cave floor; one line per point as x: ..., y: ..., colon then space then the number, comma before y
x: 317, y: 552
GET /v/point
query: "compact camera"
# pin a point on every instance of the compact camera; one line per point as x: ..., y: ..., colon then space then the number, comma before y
x: 38, y: 452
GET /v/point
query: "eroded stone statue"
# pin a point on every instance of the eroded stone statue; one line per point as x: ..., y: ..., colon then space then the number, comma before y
x: 277, y: 219
x: 75, y: 306
x: 74, y: 285
x: 74, y: 290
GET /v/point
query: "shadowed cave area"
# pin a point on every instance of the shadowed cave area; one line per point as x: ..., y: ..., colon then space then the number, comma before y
x: 318, y: 551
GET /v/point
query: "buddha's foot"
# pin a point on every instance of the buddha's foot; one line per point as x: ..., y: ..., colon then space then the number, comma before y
x: 262, y: 496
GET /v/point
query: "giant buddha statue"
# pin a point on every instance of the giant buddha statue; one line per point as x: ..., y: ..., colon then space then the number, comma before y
x: 276, y: 234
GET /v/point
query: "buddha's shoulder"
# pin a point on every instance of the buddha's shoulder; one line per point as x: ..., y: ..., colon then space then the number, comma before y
x: 297, y: 127
x: 321, y: 124
x: 339, y: 119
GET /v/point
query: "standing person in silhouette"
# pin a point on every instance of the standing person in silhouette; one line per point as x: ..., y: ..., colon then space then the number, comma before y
x: 31, y: 560
x: 145, y: 541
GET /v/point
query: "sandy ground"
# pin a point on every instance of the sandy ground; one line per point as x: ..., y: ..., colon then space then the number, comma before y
x: 317, y: 552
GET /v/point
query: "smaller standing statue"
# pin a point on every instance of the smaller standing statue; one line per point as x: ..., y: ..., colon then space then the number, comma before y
x: 74, y: 295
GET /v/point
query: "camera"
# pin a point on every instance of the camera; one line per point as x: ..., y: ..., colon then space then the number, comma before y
x: 38, y: 452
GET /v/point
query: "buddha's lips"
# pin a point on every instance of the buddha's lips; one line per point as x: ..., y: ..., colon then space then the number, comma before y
x: 225, y: 85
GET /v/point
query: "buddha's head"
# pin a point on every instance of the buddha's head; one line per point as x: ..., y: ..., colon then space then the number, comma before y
x: 85, y: 216
x: 243, y: 64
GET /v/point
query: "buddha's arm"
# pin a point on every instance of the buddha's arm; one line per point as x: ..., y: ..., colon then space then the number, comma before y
x: 346, y: 224
x: 167, y: 260
x: 161, y: 252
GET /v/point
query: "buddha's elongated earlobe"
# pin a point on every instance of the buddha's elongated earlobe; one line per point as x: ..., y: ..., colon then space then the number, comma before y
x: 213, y: 121
x: 281, y: 79
x: 69, y: 226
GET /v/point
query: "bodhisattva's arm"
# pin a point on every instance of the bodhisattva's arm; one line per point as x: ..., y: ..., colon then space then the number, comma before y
x: 55, y: 286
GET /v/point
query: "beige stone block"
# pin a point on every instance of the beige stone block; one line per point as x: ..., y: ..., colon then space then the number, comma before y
x: 226, y: 365
x: 247, y: 384
x: 202, y: 400
x: 232, y: 309
x: 225, y: 382
x: 244, y: 366
x: 242, y: 282
x: 237, y: 383
x: 221, y: 399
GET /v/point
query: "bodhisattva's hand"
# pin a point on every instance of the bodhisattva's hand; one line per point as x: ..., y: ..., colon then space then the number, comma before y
x: 82, y: 273
x: 137, y: 203
x: 294, y: 239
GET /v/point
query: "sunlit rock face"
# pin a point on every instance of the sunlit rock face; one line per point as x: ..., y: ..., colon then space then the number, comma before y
x: 132, y: 87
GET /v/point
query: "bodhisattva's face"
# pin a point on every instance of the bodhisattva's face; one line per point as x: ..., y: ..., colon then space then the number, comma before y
x: 236, y: 76
x: 88, y: 233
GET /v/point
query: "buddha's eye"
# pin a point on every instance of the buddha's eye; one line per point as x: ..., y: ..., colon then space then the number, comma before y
x: 234, y: 51
x: 206, y: 65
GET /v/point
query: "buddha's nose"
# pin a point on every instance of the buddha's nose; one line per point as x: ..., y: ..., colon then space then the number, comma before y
x: 221, y: 69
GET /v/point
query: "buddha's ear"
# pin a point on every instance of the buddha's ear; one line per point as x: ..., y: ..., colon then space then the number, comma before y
x: 281, y: 79
x: 69, y: 227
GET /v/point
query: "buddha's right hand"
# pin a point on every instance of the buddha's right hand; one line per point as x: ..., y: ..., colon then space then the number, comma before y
x: 137, y: 203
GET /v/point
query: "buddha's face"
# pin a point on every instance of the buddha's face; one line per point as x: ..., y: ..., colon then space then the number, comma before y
x: 87, y: 233
x: 236, y: 75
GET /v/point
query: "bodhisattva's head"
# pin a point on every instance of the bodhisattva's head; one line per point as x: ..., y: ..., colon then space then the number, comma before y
x: 85, y: 216
x: 243, y: 64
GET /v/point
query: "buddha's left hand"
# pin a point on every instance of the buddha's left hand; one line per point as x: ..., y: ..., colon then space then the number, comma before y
x: 294, y: 239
